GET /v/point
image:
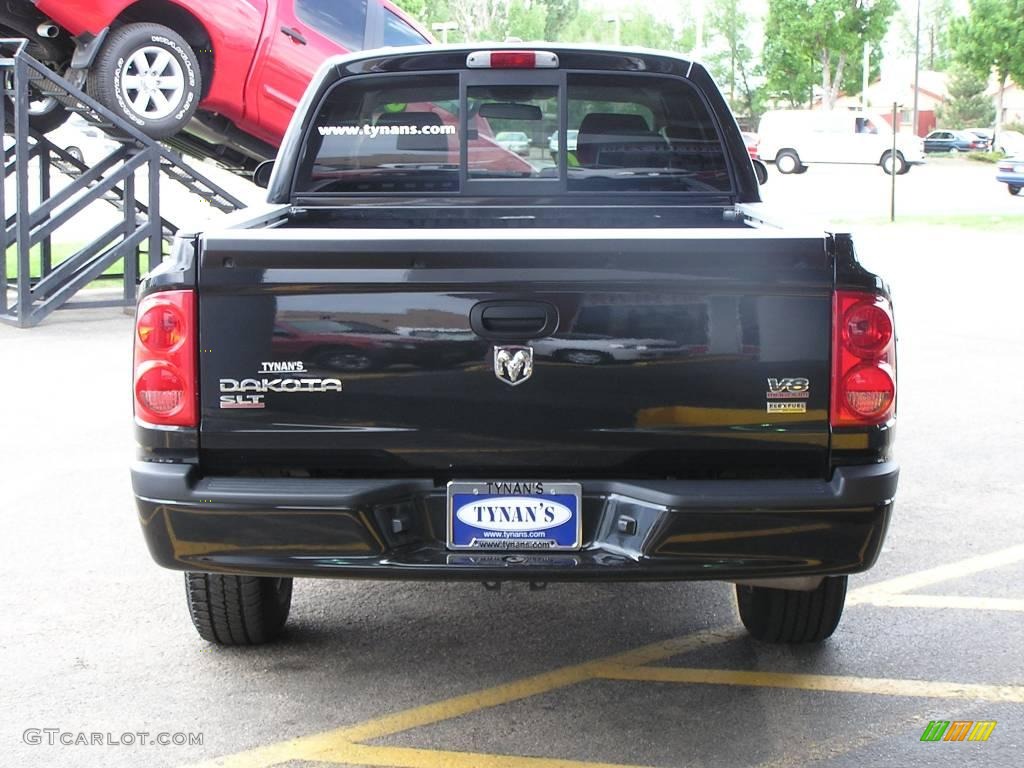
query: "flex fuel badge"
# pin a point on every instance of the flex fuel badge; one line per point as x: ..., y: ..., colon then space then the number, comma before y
x: 788, y: 395
x: 249, y: 393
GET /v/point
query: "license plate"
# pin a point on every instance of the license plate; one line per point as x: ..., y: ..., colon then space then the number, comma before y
x: 511, y: 515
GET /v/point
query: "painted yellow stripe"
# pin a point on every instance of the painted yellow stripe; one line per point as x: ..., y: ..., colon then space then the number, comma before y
x: 945, y: 601
x: 531, y: 686
x: 404, y: 757
x: 880, y: 686
x: 693, y: 416
x: 941, y: 573
x: 310, y: 747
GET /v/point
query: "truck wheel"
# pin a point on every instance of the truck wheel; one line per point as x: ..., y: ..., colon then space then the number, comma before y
x: 788, y: 161
x: 899, y: 166
x: 45, y: 112
x: 344, y: 359
x: 237, y: 610
x: 1013, y: 189
x: 790, y: 616
x: 150, y: 75
x: 583, y: 357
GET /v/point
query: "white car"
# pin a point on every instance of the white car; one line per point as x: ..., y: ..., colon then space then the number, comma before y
x: 514, y: 141
x: 1010, y: 143
x: 570, y: 141
x: 796, y: 139
x: 83, y: 141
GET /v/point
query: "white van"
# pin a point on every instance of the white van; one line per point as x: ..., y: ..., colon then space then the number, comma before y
x: 794, y: 139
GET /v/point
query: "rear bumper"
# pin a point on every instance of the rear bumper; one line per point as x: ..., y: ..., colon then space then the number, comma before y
x: 684, y: 530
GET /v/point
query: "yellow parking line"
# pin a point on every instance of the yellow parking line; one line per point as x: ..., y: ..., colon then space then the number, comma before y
x: 530, y: 686
x: 339, y: 744
x: 945, y: 601
x: 407, y: 757
x: 314, y: 746
x: 940, y: 573
x: 881, y: 686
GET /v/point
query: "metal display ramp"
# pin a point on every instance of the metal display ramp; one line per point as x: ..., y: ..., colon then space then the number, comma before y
x: 38, y: 212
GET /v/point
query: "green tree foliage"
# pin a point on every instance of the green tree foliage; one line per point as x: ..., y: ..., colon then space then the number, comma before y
x: 480, y: 20
x: 808, y: 41
x: 638, y: 27
x: 558, y: 14
x: 991, y: 39
x: 967, y: 105
x: 936, y: 18
x: 731, y: 61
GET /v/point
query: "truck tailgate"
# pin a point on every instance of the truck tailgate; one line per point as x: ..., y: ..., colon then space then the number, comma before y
x: 669, y: 353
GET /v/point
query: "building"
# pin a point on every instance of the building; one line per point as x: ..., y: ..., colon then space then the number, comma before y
x: 931, y: 93
x: 1013, y: 101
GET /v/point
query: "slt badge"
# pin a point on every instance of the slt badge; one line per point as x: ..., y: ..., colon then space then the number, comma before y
x: 513, y: 365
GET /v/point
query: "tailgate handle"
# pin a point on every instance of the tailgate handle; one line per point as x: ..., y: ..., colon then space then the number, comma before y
x: 513, y: 319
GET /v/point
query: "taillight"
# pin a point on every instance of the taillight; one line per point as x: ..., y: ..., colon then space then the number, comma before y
x: 165, y: 360
x: 512, y: 60
x: 863, y: 360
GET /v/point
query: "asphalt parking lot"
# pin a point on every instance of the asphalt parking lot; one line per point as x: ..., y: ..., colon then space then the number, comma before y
x: 575, y: 676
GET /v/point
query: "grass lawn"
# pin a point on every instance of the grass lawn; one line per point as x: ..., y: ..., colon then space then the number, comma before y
x: 980, y: 221
x: 61, y: 251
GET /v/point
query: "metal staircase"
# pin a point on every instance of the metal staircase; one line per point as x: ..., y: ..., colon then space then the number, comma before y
x: 38, y: 212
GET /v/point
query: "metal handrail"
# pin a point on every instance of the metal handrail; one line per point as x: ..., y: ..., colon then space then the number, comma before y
x: 112, y: 180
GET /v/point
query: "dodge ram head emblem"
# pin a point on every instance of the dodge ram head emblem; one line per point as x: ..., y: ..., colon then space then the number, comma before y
x: 513, y: 365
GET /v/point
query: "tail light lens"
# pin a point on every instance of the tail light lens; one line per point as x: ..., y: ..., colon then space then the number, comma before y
x: 863, y: 360
x: 165, y: 360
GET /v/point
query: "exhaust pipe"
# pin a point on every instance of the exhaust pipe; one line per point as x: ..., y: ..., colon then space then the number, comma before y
x: 48, y: 29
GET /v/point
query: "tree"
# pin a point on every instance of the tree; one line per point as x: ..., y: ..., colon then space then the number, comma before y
x: 936, y: 17
x: 817, y: 39
x: 967, y: 104
x: 991, y: 39
x: 558, y: 14
x: 732, y: 64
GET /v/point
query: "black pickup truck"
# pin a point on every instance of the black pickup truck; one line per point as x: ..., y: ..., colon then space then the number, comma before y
x: 432, y: 357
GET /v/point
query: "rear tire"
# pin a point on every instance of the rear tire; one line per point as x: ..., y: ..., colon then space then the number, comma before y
x: 790, y: 616
x: 1013, y: 189
x: 237, y: 610
x: 788, y: 161
x: 583, y: 357
x: 149, y: 75
x: 45, y: 112
x: 344, y: 359
x: 890, y: 166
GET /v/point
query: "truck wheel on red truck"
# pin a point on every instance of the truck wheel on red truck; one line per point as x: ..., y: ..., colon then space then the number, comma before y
x: 221, y: 79
x: 416, y: 362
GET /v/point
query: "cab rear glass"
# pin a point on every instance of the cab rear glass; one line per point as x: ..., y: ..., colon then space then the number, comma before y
x: 574, y: 132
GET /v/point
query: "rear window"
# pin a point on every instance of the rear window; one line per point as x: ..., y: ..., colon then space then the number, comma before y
x: 397, y: 32
x: 405, y: 134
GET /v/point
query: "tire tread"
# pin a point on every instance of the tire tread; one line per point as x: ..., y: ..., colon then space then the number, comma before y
x: 237, y: 610
x: 792, y: 616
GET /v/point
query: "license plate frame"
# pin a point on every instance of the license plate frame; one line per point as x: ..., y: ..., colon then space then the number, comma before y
x: 513, y: 517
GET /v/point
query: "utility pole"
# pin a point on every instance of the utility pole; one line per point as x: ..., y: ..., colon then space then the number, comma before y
x: 444, y: 27
x: 917, y: 67
x: 866, y: 77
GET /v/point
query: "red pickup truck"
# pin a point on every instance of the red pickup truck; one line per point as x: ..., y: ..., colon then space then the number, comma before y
x: 222, y: 78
